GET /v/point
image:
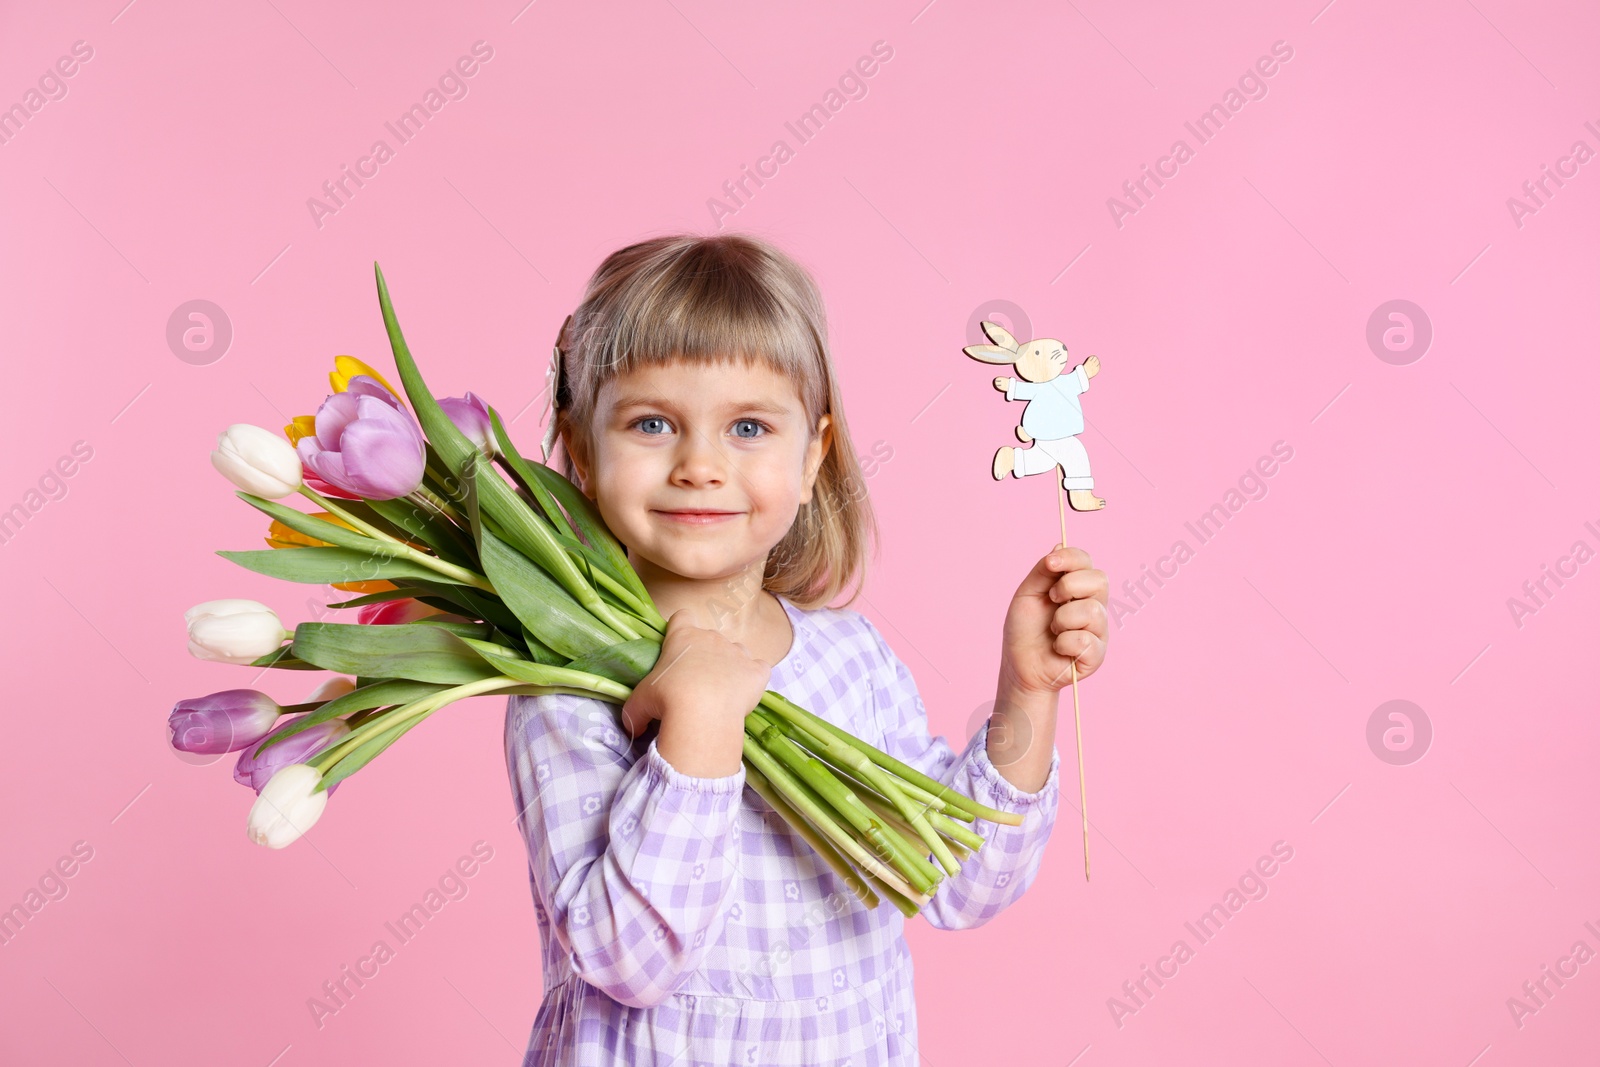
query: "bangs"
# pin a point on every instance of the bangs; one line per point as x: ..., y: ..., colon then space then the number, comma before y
x: 712, y: 312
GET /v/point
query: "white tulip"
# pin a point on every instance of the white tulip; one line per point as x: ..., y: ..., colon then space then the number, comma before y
x: 257, y: 461
x: 233, y: 631
x: 287, y: 806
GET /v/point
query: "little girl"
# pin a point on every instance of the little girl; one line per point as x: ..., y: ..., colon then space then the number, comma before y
x: 682, y: 920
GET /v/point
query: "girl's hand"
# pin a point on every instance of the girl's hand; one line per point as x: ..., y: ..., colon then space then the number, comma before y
x: 1057, y: 615
x: 701, y: 689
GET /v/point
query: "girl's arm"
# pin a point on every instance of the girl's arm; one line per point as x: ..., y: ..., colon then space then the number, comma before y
x: 633, y: 861
x: 1001, y: 871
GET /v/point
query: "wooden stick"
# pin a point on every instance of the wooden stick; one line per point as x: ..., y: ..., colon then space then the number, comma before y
x: 1077, y: 714
x: 1083, y: 789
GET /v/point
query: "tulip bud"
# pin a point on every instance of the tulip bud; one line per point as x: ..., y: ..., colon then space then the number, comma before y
x: 256, y: 772
x: 221, y: 722
x: 288, y: 806
x: 366, y: 443
x: 257, y: 461
x: 233, y: 631
x: 398, y: 612
x: 334, y: 687
x: 471, y: 416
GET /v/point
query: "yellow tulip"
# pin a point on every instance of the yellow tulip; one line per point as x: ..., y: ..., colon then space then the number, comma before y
x: 302, y: 426
x: 362, y: 588
x: 347, y: 367
x: 281, y: 536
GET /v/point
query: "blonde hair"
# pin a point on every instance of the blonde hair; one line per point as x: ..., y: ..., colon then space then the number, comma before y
x: 718, y: 298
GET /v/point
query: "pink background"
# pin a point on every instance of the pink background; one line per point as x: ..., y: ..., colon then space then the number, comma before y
x: 1230, y: 313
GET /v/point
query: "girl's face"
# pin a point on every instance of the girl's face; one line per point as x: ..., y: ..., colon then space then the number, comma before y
x: 700, y: 468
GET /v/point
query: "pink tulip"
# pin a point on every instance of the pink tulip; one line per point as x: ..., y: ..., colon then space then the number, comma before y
x: 395, y: 612
x: 471, y: 416
x: 255, y: 773
x: 366, y: 443
x: 222, y: 722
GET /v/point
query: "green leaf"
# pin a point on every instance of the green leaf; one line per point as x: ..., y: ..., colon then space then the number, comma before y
x: 473, y: 602
x: 401, y: 592
x: 321, y: 529
x: 543, y: 607
x: 531, y: 535
x: 362, y: 509
x: 547, y: 675
x: 328, y: 566
x: 626, y: 663
x: 366, y: 752
x: 458, y: 599
x: 415, y: 651
x: 420, y: 524
x: 284, y: 658
x: 523, y: 472
x: 469, y: 498
x: 476, y: 630
x: 540, y: 652
x: 520, y: 526
x: 452, y: 445
x: 550, y: 487
x: 376, y: 695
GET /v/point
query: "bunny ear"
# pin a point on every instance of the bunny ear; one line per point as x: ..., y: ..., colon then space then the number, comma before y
x: 990, y: 353
x: 999, y: 335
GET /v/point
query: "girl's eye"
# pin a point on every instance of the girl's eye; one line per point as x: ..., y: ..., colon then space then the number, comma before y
x: 748, y: 428
x: 652, y: 424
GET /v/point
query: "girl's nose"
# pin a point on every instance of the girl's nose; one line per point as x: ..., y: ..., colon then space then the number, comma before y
x: 699, y: 461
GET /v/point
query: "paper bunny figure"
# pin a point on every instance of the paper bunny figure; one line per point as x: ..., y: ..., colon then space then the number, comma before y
x: 1053, y: 417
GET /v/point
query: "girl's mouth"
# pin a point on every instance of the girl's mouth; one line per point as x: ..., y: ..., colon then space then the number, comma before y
x: 697, y: 516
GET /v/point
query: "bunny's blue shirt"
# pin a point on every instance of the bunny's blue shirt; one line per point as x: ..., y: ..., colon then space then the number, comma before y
x: 1053, y: 410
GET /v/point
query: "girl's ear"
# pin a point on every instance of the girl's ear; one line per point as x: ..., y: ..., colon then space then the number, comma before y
x: 580, y: 461
x: 816, y: 451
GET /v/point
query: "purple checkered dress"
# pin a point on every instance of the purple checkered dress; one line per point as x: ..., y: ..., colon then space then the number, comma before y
x: 683, y: 922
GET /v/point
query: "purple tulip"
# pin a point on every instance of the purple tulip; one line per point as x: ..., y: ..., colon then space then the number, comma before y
x: 221, y: 722
x: 255, y: 773
x: 471, y: 416
x: 366, y: 443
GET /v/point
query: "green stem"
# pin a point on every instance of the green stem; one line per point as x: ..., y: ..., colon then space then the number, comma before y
x: 956, y: 802
x: 334, y: 509
x: 954, y: 830
x: 922, y: 874
x: 428, y: 497
x: 642, y: 610
x: 877, y: 779
x: 910, y: 906
x: 930, y: 803
x: 403, y: 550
x: 816, y: 840
x: 962, y: 838
x: 432, y: 702
x: 814, y: 808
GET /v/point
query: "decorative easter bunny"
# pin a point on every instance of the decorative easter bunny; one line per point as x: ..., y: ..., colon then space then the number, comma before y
x: 1053, y: 417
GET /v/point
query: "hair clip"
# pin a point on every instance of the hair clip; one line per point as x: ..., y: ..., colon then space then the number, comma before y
x: 552, y: 384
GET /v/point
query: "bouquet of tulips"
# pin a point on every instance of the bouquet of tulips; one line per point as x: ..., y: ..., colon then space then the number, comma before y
x: 481, y: 572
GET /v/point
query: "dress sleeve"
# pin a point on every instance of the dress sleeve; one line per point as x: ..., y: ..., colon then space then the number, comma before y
x: 632, y: 860
x: 1021, y: 390
x: 998, y: 873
